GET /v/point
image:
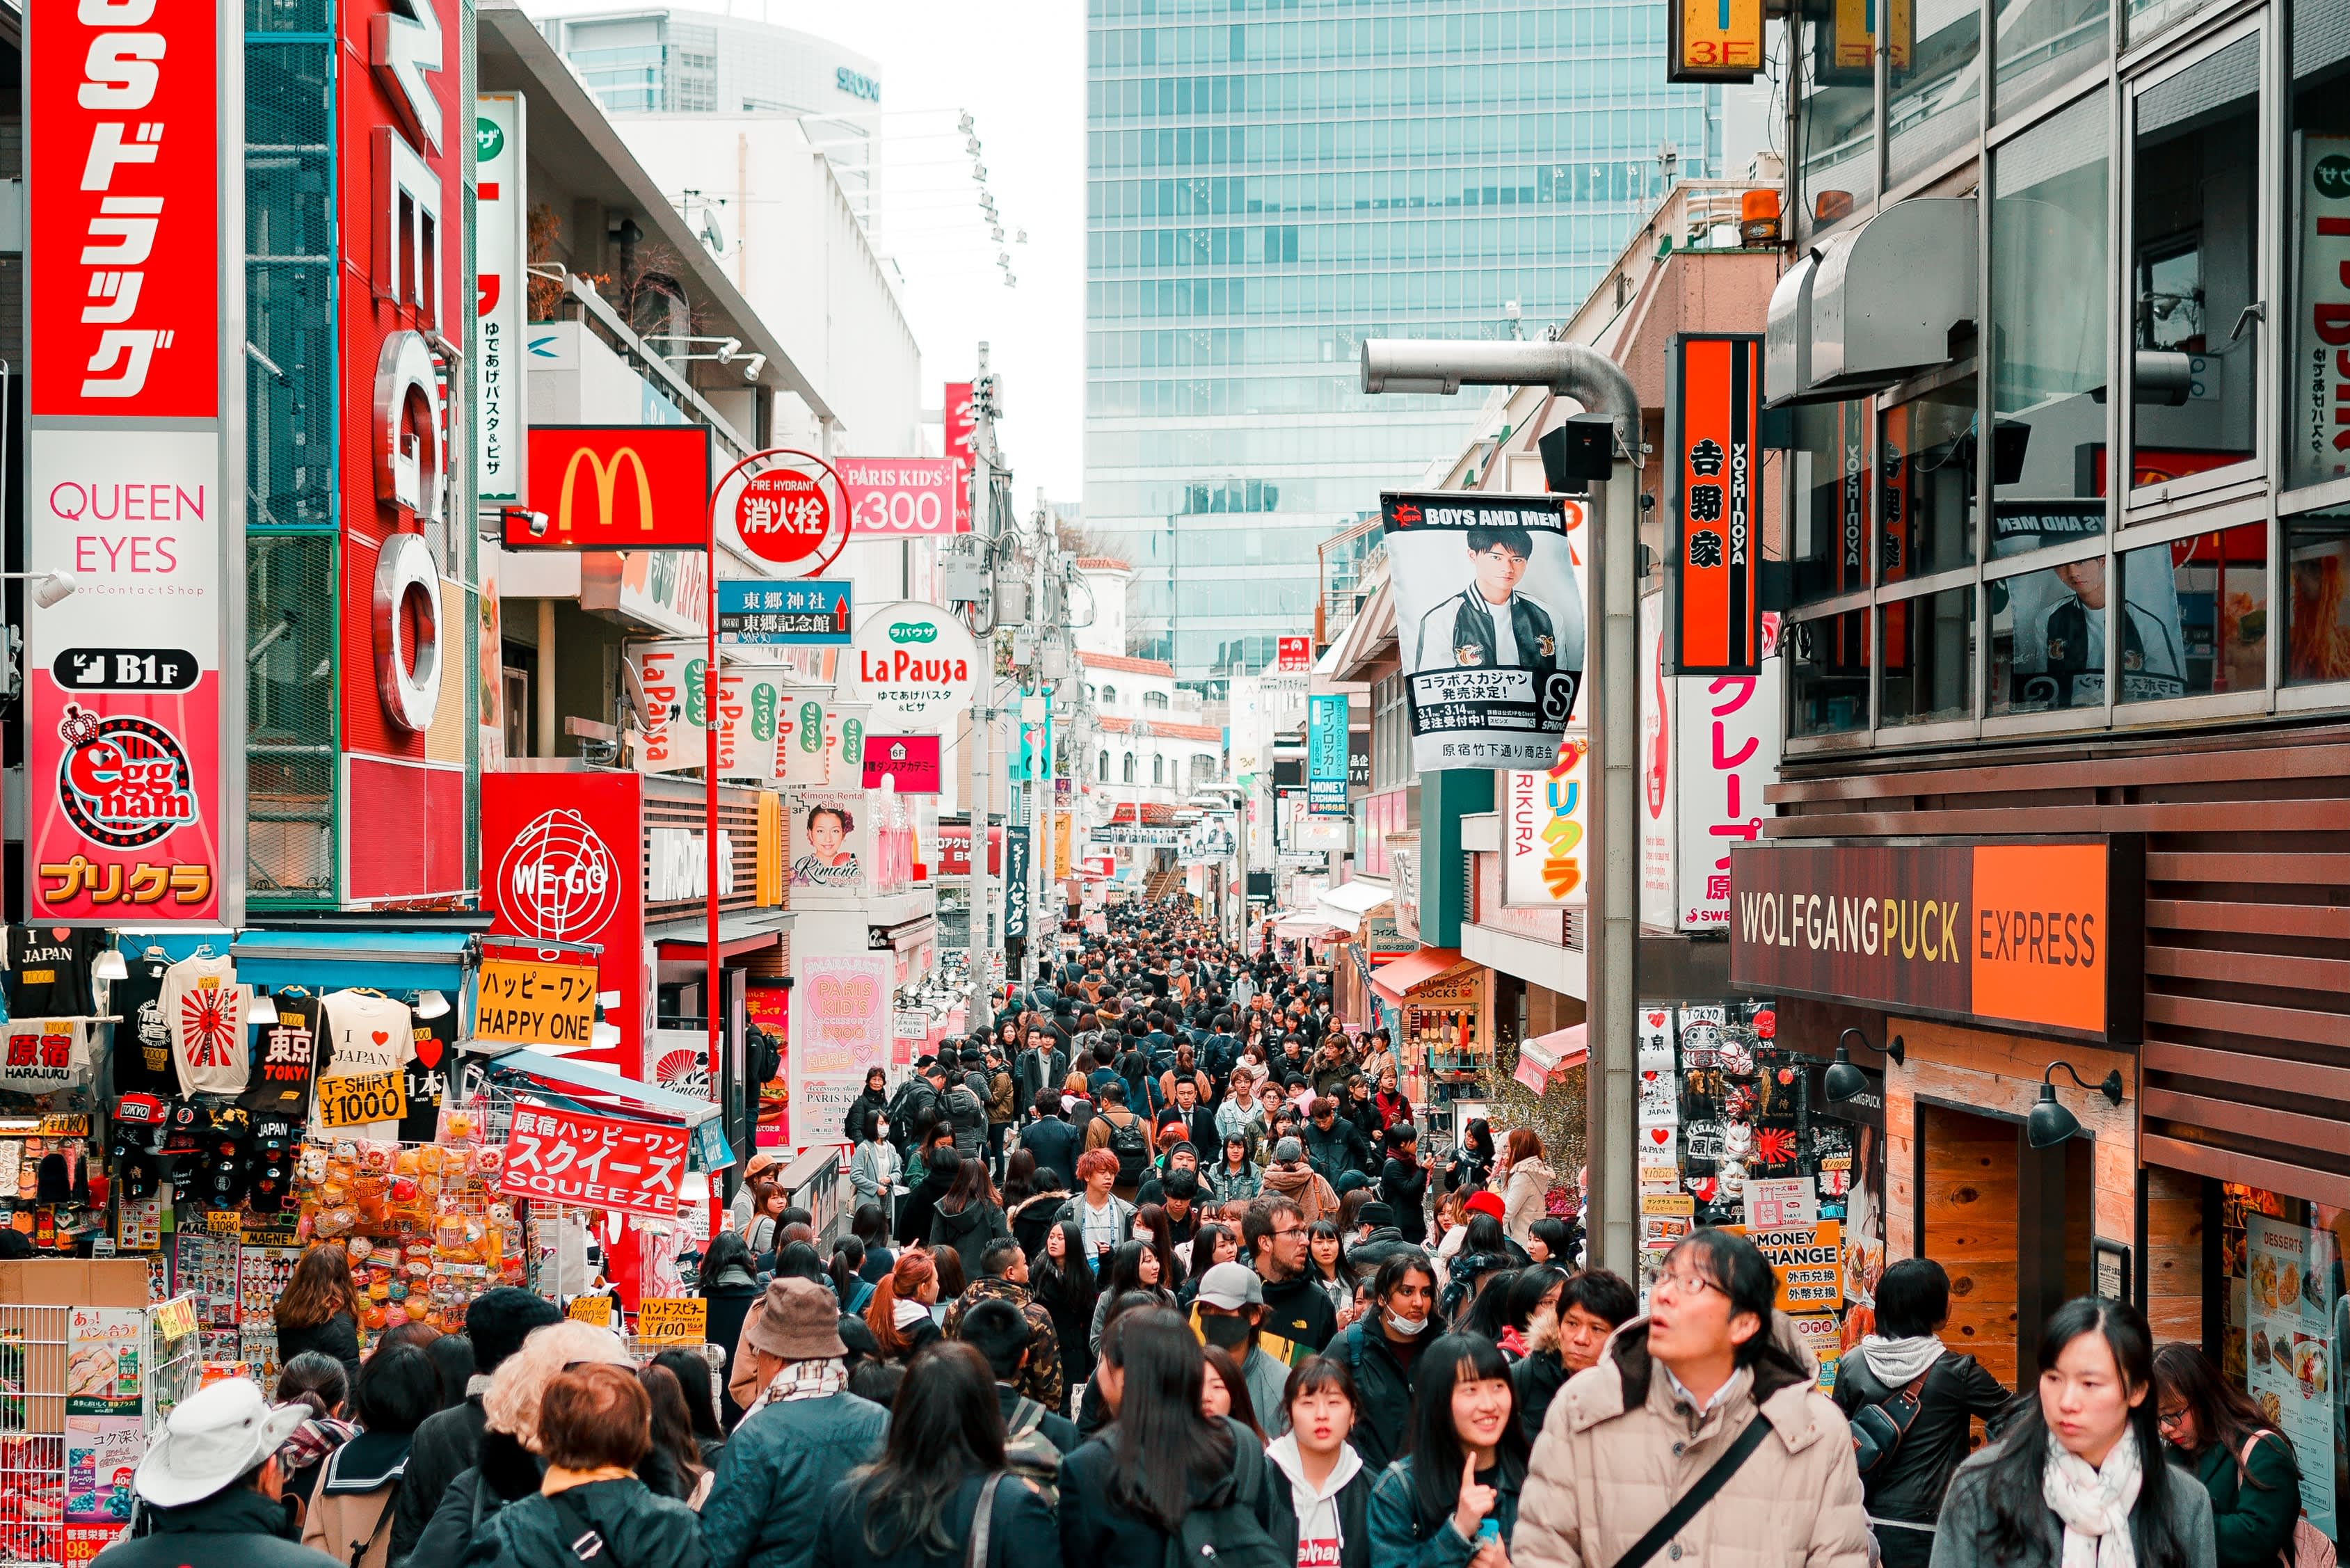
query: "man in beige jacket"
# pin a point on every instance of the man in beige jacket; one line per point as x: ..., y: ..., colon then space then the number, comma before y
x: 1671, y: 1392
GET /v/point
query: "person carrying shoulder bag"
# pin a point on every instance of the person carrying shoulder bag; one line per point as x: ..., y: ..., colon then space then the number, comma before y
x: 1698, y: 1437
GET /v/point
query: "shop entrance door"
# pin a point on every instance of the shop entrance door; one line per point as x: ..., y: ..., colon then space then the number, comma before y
x: 2009, y: 1223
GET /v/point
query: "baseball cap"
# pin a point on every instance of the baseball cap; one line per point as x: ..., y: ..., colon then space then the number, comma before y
x: 1231, y: 1286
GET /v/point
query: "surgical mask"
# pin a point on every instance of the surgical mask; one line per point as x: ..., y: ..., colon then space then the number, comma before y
x: 1225, y: 1333
x: 1407, y: 1326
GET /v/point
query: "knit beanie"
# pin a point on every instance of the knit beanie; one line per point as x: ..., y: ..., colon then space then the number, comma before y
x: 499, y: 1320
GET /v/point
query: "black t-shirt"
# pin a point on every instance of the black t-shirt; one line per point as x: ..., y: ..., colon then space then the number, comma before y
x: 291, y: 1051
x: 142, y: 1041
x: 428, y: 1076
x: 48, y: 970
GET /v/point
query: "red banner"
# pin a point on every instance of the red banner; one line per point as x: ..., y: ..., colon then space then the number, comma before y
x: 961, y: 430
x: 1713, y: 410
x: 616, y: 487
x: 954, y: 850
x: 563, y: 860
x: 594, y: 1162
x: 911, y: 763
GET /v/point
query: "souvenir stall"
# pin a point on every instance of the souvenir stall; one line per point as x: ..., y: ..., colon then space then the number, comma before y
x: 1444, y: 1038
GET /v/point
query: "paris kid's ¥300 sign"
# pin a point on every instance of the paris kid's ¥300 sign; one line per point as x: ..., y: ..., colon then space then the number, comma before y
x: 2040, y: 933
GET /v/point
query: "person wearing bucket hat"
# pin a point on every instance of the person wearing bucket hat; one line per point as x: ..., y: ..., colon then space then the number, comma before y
x: 212, y: 1482
x: 803, y: 1433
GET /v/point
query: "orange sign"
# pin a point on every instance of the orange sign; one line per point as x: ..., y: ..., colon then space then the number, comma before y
x: 1715, y: 41
x: 615, y: 487
x: 1713, y: 411
x: 2041, y: 933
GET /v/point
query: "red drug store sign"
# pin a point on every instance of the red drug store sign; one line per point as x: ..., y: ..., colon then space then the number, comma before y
x: 131, y: 130
x: 563, y: 860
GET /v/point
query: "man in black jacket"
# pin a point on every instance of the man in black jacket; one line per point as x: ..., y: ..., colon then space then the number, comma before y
x: 213, y: 1487
x: 449, y: 1442
x: 1295, y: 1309
x: 1044, y: 1065
x: 1334, y: 1146
x: 1051, y: 1139
x: 1382, y: 1354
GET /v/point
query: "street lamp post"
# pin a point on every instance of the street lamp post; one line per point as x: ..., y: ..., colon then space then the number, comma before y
x: 1573, y: 369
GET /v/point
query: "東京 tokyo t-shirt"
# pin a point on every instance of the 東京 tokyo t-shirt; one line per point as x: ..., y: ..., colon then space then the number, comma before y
x: 284, y: 1065
x: 365, y: 1032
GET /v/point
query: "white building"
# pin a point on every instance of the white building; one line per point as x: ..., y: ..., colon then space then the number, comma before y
x: 1105, y: 582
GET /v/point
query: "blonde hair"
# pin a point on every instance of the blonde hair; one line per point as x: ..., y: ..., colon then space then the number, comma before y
x: 520, y: 1383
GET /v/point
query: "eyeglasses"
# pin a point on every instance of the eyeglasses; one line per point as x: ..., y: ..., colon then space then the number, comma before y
x: 2165, y: 1419
x: 1294, y: 1230
x: 1691, y: 1286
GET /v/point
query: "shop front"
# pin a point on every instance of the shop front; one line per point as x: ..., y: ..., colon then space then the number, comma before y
x: 1444, y: 1036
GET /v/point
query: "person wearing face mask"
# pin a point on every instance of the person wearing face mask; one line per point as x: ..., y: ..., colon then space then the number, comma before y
x: 1567, y: 1337
x: 1452, y: 1502
x: 1383, y: 1350
x: 874, y: 1164
x: 1228, y: 1313
x: 1322, y: 1518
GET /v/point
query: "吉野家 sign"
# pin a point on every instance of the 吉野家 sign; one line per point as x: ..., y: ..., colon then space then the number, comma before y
x: 812, y: 611
x: 1714, y: 40
x: 1713, y: 411
x: 2038, y: 934
x: 522, y: 1001
x: 586, y: 1161
x: 615, y: 487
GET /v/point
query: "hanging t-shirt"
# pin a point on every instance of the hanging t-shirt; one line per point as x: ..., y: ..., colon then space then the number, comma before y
x: 142, y: 1041
x: 288, y: 1055
x: 365, y: 1032
x: 40, y: 1055
x: 205, y: 1010
x: 435, y: 1043
x: 48, y: 970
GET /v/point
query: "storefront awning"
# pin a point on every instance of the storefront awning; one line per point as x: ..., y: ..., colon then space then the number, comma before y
x: 333, y: 960
x: 683, y: 941
x: 1545, y: 1055
x: 1348, y: 903
x: 1307, y: 926
x: 1399, y: 978
x: 597, y: 1088
x: 1872, y: 306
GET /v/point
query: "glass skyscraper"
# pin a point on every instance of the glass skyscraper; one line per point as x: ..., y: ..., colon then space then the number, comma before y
x: 1271, y: 182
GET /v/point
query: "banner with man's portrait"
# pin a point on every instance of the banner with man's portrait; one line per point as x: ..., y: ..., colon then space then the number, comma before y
x: 1489, y: 624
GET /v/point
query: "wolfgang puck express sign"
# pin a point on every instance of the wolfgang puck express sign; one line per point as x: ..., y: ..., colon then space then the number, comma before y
x: 2043, y: 934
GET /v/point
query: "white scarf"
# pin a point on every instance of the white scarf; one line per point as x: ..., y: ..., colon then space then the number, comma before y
x: 2093, y: 1504
x: 907, y: 1311
x: 1895, y: 1361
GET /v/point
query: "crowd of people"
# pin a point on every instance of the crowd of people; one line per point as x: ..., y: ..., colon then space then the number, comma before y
x: 1156, y: 1269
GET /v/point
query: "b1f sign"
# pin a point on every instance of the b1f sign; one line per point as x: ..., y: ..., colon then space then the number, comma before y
x: 133, y: 282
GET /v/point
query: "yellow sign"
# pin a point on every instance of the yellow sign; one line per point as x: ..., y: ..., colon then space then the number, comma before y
x: 596, y: 1310
x: 1715, y: 41
x: 524, y: 1002
x: 224, y: 1222
x: 606, y: 479
x: 673, y: 1320
x: 176, y: 1318
x: 1668, y: 1203
x: 767, y: 863
x: 363, y: 1098
x: 1849, y: 48
x: 1808, y: 1260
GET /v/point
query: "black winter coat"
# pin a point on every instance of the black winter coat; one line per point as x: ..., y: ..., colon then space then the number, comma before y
x: 1095, y: 1530
x: 1337, y: 1151
x: 1909, y: 1485
x: 447, y: 1445
x: 338, y: 1336
x: 1537, y: 1378
x: 640, y: 1529
x: 1403, y: 1187
x: 729, y: 1305
x: 238, y: 1528
x: 1021, y: 1532
x: 865, y: 1103
x: 969, y: 1232
x: 1056, y: 1145
x: 1354, y: 1518
x: 921, y: 1206
x: 1383, y: 1386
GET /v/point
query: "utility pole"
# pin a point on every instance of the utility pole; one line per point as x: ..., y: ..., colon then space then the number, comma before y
x: 982, y: 716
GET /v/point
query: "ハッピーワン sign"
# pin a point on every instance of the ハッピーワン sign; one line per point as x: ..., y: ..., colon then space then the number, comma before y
x: 2044, y: 934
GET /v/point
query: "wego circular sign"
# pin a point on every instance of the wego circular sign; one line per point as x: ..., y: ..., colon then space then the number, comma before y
x: 786, y: 508
x: 560, y: 880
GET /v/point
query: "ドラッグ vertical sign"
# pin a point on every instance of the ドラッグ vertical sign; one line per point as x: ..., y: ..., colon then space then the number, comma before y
x: 500, y: 291
x: 134, y: 130
x: 1713, y: 407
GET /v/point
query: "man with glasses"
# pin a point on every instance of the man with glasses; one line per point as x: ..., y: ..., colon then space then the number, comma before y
x: 1295, y: 1309
x: 1488, y: 624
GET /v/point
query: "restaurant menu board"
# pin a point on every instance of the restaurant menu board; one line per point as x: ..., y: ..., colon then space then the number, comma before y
x: 2293, y: 1371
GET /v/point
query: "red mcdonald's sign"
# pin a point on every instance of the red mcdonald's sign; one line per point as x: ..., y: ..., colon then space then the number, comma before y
x: 615, y: 487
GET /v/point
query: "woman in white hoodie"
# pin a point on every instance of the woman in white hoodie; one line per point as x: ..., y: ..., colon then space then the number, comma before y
x: 1525, y: 1188
x: 1321, y: 1517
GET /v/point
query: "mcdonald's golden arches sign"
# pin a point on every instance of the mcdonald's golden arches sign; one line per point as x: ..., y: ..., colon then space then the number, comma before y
x: 615, y: 487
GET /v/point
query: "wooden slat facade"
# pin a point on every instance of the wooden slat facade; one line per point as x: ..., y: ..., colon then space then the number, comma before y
x: 2244, y: 1074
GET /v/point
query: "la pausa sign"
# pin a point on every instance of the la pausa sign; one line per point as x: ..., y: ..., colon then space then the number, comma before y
x: 915, y: 663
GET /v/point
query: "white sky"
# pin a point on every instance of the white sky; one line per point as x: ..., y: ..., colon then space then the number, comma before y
x: 1020, y: 72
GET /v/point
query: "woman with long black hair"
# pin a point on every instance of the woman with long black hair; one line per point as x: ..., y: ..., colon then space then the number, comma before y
x: 1133, y: 1268
x: 2078, y: 1478
x: 1060, y: 1281
x: 2212, y: 1428
x: 1471, y: 1165
x: 1457, y: 1487
x: 917, y: 1505
x: 1126, y: 1492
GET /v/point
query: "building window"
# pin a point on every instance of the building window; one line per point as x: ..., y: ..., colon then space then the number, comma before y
x: 2195, y: 226
x: 2047, y: 346
x: 1154, y: 698
x: 1130, y: 769
x: 2042, y: 45
x: 2317, y: 599
x: 1930, y: 657
x: 1925, y: 501
x: 2317, y: 250
x: 2048, y: 637
x: 1830, y: 545
x: 1109, y: 696
x: 1158, y: 769
x: 2197, y: 616
x: 1828, y: 674
x: 1931, y: 98
x: 1101, y: 768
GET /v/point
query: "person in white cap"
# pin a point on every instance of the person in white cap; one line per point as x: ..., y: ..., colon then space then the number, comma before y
x: 1228, y: 1313
x: 212, y: 1483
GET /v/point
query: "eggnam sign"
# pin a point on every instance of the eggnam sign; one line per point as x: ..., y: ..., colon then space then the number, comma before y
x: 915, y: 663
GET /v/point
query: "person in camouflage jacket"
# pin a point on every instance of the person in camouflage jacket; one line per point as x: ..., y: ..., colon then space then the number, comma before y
x: 1005, y: 1276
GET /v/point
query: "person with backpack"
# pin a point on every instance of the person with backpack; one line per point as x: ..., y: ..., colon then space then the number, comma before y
x: 1003, y: 1276
x: 1323, y: 1515
x: 1383, y: 1350
x: 1453, y: 1501
x: 964, y: 1104
x: 1105, y: 1220
x: 1125, y: 1135
x: 1164, y: 1482
x: 941, y: 1494
x: 2213, y: 1430
x: 1700, y: 1424
x: 1911, y: 1404
x: 915, y: 1106
x: 1035, y: 1434
x: 873, y: 1100
x: 349, y: 1516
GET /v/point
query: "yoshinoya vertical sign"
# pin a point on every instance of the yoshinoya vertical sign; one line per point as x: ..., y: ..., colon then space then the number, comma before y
x: 1490, y: 622
x: 1713, y: 403
x: 501, y: 290
x: 133, y: 132
x: 2319, y: 446
x: 1326, y: 754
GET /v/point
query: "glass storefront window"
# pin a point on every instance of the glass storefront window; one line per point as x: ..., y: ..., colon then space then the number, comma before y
x: 2283, y: 1337
x: 1828, y: 541
x: 2317, y: 247
x: 2048, y: 639
x: 1828, y: 674
x: 2317, y: 599
x: 1838, y: 176
x: 1935, y: 91
x: 1930, y: 657
x: 2042, y: 44
x: 2195, y: 616
x: 2048, y: 340
x: 1927, y: 485
x: 2195, y: 223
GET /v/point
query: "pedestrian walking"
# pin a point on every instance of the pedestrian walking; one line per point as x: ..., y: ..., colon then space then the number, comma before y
x: 350, y: 1515
x: 970, y: 1218
x: 1323, y: 1516
x: 1453, y: 1500
x: 1912, y: 1404
x: 1713, y: 1376
x: 899, y: 1311
x: 1527, y: 1180
x: 212, y: 1483
x: 1382, y: 1353
x: 875, y: 1167
x: 1061, y: 1280
x: 320, y: 1309
x: 2213, y: 1430
x: 2077, y: 1480
x: 1591, y: 1305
